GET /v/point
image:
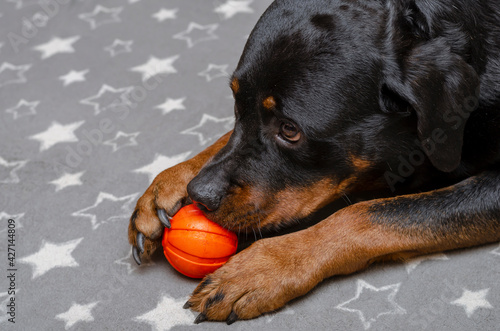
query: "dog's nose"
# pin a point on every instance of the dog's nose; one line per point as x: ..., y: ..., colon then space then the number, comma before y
x: 206, y: 193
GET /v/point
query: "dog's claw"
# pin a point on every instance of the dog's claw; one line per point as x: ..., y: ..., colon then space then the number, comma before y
x: 201, y: 318
x: 140, y: 242
x: 187, y: 305
x: 139, y: 248
x: 136, y: 255
x: 164, y: 218
x: 232, y: 318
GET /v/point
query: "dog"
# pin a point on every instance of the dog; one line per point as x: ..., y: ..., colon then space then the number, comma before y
x: 337, y: 97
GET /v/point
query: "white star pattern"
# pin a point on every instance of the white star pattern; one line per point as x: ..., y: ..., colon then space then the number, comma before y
x: 496, y: 251
x: 52, y: 256
x: 77, y: 313
x: 165, y: 14
x: 167, y: 314
x: 4, y: 316
x: 122, y: 140
x: 214, y: 71
x: 269, y: 317
x: 102, y: 67
x: 412, y: 264
x: 101, y: 15
x: 119, y: 46
x: 130, y: 264
x: 120, y: 208
x: 108, y: 97
x: 56, y: 46
x: 73, y: 77
x: 381, y: 298
x: 23, y: 108
x: 9, y: 175
x: 232, y: 7
x: 171, y: 104
x: 156, y: 66
x: 161, y: 163
x: 67, y: 180
x: 6, y: 69
x: 210, y: 128
x: 4, y: 217
x: 57, y: 133
x: 472, y: 301
x: 194, y: 29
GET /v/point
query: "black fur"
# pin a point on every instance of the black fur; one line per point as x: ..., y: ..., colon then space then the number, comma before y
x: 411, y: 86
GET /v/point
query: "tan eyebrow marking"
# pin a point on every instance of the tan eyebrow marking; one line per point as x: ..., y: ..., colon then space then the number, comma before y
x: 269, y: 103
x: 235, y: 85
x: 360, y: 164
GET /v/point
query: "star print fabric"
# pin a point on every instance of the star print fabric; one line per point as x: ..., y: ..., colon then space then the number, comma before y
x: 97, y: 98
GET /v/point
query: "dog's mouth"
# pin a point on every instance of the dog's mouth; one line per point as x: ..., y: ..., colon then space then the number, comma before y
x: 250, y: 209
x: 241, y: 216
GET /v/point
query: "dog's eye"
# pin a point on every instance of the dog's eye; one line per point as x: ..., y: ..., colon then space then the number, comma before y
x: 290, y: 132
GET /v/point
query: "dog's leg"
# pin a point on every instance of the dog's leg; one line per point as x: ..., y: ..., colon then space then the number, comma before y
x: 164, y: 197
x: 273, y: 271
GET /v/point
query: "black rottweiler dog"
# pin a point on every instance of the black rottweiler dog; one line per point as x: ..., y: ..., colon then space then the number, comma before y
x: 334, y: 97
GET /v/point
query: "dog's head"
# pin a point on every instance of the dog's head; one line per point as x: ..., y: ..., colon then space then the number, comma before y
x: 328, y: 96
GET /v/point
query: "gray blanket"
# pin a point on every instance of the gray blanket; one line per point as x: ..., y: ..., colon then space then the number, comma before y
x: 96, y: 98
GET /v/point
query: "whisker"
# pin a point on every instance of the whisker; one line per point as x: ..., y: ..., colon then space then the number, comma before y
x: 246, y: 231
x: 346, y: 199
x: 261, y: 236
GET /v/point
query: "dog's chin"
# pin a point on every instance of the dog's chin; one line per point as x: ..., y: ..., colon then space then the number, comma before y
x: 240, y: 219
x: 250, y: 209
x: 248, y: 218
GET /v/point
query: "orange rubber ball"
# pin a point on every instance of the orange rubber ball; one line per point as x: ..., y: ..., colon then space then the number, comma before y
x: 196, y: 246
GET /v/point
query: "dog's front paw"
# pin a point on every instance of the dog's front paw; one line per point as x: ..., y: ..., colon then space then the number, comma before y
x: 154, y: 209
x: 260, y: 279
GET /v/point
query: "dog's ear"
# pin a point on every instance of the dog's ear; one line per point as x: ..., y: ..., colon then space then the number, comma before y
x: 443, y: 89
x: 438, y: 84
